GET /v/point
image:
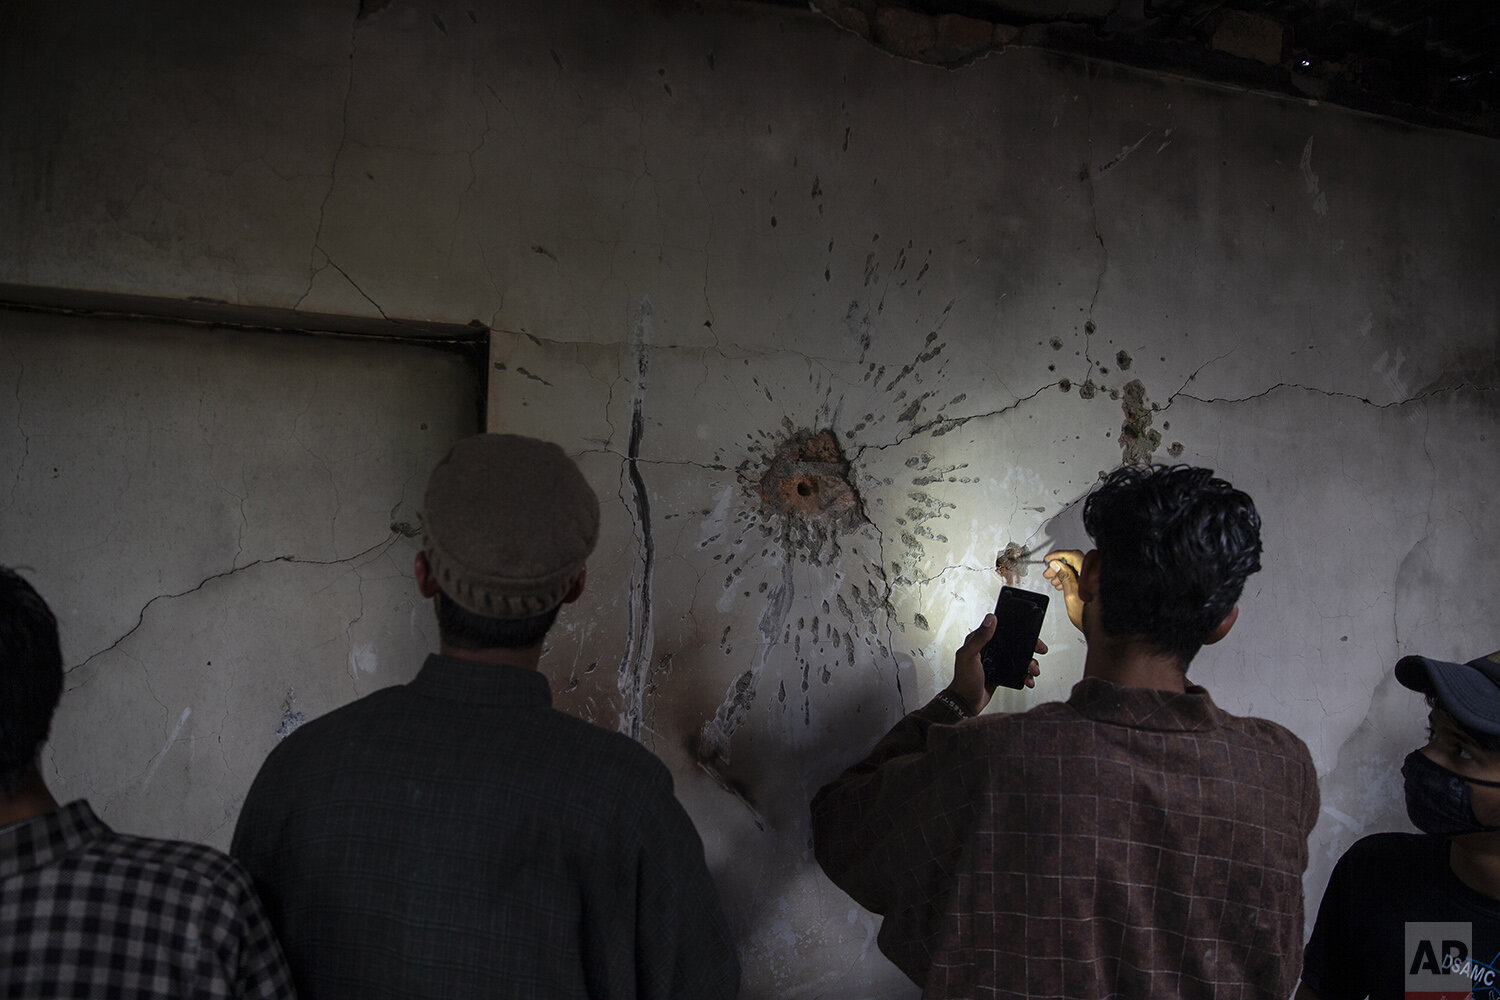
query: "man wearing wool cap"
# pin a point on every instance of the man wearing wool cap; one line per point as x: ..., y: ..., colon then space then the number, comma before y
x: 458, y: 837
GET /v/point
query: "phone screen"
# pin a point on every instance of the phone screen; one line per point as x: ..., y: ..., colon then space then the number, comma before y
x: 1018, y: 624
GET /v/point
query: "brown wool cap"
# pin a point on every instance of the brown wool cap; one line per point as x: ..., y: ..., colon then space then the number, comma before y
x: 507, y: 523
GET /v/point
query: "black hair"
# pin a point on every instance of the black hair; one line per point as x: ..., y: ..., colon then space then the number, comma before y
x: 1488, y: 742
x: 31, y: 677
x: 463, y: 629
x: 1175, y: 548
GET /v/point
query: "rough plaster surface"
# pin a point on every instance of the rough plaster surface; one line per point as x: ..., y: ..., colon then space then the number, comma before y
x: 701, y: 234
x: 221, y: 523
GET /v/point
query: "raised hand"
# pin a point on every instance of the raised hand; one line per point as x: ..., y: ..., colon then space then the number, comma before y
x: 968, y: 672
x: 1064, y: 566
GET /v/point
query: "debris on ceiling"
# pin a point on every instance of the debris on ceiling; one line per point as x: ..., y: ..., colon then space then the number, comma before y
x: 1429, y: 62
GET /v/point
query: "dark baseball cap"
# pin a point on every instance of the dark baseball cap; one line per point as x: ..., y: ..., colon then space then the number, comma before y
x: 1470, y: 692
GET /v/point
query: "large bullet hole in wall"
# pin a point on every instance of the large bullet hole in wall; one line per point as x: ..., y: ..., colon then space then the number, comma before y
x: 1012, y: 562
x: 808, y: 477
x: 806, y: 485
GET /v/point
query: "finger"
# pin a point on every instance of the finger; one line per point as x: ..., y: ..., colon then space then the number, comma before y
x: 1041, y: 647
x: 1071, y: 558
x: 980, y: 635
x: 1059, y: 572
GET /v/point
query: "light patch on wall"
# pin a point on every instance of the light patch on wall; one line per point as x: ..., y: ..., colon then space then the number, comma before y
x: 161, y: 754
x: 363, y: 659
x: 1314, y: 189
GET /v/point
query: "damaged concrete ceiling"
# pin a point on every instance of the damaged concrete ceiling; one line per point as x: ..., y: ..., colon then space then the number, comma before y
x: 1430, y: 62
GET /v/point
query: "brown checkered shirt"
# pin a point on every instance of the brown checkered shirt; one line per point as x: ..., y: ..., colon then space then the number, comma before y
x: 1127, y: 843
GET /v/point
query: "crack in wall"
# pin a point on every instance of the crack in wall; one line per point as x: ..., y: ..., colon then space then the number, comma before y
x: 741, y: 352
x: 658, y: 462
x: 1088, y: 174
x: 333, y: 172
x: 239, y: 531
x: 635, y: 664
x: 141, y: 616
x: 458, y: 209
x: 1334, y: 394
x: 707, y: 256
x: 939, y: 426
x: 354, y: 285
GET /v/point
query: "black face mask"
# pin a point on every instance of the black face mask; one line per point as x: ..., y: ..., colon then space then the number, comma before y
x: 1438, y: 801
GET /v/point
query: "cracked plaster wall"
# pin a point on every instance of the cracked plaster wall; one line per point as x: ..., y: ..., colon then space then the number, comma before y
x: 699, y: 233
x: 220, y: 522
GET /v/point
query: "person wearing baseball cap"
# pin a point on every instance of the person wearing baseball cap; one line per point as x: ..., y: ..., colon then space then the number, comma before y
x: 457, y: 836
x: 1418, y: 915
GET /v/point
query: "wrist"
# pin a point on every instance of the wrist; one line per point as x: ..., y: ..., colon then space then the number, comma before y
x: 957, y: 703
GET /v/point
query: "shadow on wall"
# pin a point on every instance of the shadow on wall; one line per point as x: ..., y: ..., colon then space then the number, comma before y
x: 1363, y: 792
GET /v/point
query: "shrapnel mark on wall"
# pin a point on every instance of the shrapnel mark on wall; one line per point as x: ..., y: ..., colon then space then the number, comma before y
x: 291, y: 716
x: 806, y: 485
x: 635, y: 664
x: 799, y: 491
x: 500, y: 366
x: 1011, y: 563
x: 1123, y: 153
x: 713, y: 739
x: 1138, y: 439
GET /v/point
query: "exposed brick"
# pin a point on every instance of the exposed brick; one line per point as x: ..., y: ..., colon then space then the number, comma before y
x: 1249, y: 36
x: 905, y: 32
x: 960, y: 38
x: 845, y: 15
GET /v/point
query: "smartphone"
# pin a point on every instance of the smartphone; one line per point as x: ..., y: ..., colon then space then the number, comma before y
x: 1018, y: 624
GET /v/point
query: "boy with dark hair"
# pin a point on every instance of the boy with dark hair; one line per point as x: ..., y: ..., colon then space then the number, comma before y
x: 457, y: 837
x: 1175, y: 546
x: 85, y: 911
x: 1135, y: 841
x: 1417, y: 915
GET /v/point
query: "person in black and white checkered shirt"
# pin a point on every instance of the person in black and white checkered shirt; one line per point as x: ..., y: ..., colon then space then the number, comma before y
x: 89, y: 913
